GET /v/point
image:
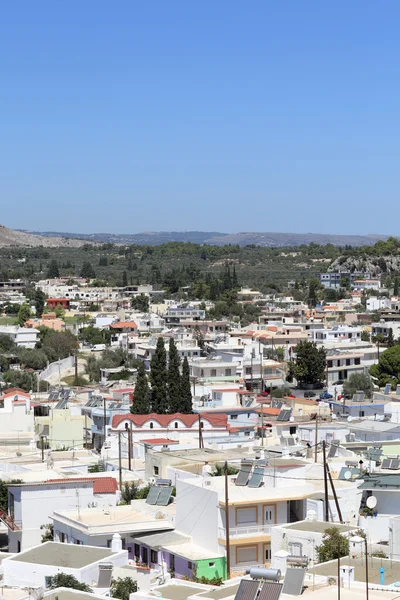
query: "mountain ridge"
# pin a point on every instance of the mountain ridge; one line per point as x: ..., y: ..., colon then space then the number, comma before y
x: 267, y: 239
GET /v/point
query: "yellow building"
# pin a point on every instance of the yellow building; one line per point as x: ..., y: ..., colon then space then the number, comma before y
x: 62, y: 429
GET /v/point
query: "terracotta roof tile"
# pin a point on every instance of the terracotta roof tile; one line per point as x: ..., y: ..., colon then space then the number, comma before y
x: 219, y: 420
x: 101, y: 485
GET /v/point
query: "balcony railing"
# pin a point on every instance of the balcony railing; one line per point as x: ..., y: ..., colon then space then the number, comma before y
x: 247, y: 531
x: 9, y: 521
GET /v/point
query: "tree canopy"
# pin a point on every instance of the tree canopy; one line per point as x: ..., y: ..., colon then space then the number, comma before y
x: 358, y: 381
x: 310, y: 363
x: 388, y: 368
x: 334, y: 544
x: 67, y: 581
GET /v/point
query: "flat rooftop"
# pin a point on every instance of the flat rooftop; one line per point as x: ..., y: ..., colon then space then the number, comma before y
x: 72, y: 556
x: 392, y: 569
x: 225, y: 591
x: 68, y: 594
x: 176, y: 592
x: 137, y: 516
x: 318, y: 526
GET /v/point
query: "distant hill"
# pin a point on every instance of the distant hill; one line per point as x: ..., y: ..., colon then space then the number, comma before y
x: 16, y: 238
x: 155, y: 238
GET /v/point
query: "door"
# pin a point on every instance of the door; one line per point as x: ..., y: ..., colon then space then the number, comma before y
x: 269, y: 515
x: 145, y: 556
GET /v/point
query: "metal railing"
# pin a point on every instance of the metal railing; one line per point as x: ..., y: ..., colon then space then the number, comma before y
x: 9, y: 521
x: 249, y: 530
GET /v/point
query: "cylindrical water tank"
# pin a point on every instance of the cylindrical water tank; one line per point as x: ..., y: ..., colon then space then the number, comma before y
x: 267, y: 574
x: 297, y: 561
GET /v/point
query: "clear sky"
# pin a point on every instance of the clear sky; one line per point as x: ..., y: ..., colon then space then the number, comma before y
x: 216, y: 115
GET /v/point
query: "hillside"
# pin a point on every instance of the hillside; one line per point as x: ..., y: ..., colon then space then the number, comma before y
x: 10, y: 238
x: 265, y: 239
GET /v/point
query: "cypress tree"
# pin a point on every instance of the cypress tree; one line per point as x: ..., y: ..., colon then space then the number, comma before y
x: 235, y: 282
x: 124, y: 279
x: 141, y: 401
x: 186, y: 392
x: 174, y: 378
x: 158, y: 378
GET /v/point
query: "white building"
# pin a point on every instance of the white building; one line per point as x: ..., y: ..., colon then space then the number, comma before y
x: 376, y: 303
x: 34, y: 567
x: 16, y: 413
x: 338, y: 333
x: 22, y: 336
x: 31, y: 505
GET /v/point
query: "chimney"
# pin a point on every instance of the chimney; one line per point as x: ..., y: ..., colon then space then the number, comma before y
x: 116, y: 544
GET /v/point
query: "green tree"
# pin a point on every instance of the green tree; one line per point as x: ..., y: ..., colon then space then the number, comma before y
x: 310, y: 364
x: 124, y: 279
x: 52, y: 270
x: 67, y: 581
x: 314, y: 289
x: 158, y: 378
x: 219, y: 470
x: 334, y: 544
x: 39, y: 299
x: 358, y: 381
x: 57, y: 344
x: 388, y: 368
x: 390, y: 338
x: 186, y: 391
x: 396, y: 285
x: 4, y: 492
x: 7, y: 344
x: 48, y: 535
x: 141, y: 397
x: 365, y: 336
x: 93, y: 335
x: 24, y: 314
x: 87, y: 271
x: 20, y: 379
x: 174, y: 378
x: 140, y: 303
x: 122, y: 587
x: 32, y: 358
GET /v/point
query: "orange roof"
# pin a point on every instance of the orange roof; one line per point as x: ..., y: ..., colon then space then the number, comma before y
x: 124, y: 325
x: 101, y: 485
x: 16, y: 393
x: 269, y: 411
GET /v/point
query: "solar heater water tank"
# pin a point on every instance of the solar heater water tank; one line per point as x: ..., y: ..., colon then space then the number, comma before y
x: 266, y: 574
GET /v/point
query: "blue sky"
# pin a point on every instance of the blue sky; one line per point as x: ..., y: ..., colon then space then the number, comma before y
x: 222, y: 115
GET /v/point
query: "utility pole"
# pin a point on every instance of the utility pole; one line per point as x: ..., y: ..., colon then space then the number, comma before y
x: 76, y: 366
x: 120, y: 460
x: 262, y: 424
x: 228, y: 549
x: 325, y: 483
x: 85, y: 431
x: 338, y: 571
x: 366, y: 568
x: 130, y: 446
x: 334, y: 494
x: 105, y: 421
x: 42, y: 445
x: 199, y: 431
x: 316, y: 439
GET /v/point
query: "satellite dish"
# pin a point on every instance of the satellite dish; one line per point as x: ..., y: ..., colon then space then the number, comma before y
x: 291, y: 419
x: 349, y: 419
x: 372, y: 502
x: 347, y: 475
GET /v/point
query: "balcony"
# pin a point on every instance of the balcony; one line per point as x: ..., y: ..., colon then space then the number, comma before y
x: 243, y: 532
x: 9, y: 521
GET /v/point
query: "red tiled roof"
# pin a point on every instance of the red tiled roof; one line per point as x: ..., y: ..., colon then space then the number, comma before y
x: 269, y: 411
x: 123, y: 390
x: 124, y: 325
x: 16, y: 393
x: 101, y: 485
x: 160, y: 441
x: 219, y: 420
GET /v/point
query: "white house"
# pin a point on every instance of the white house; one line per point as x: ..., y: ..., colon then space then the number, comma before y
x: 16, y: 413
x: 34, y: 567
x: 22, y: 336
x: 31, y: 505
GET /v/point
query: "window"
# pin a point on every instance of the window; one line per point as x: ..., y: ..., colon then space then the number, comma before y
x: 248, y: 370
x: 62, y: 537
x: 153, y: 556
x: 228, y: 372
x: 247, y: 554
x: 47, y: 581
x: 136, y: 551
x: 357, y: 361
x: 267, y: 554
x: 213, y: 373
x: 155, y: 470
x: 151, y: 425
x: 361, y: 413
x: 330, y: 364
x: 292, y: 430
x: 190, y: 565
x: 176, y: 425
x: 19, y: 550
x: 234, y: 417
x: 295, y: 548
x: 348, y: 362
x: 172, y: 562
x: 211, y: 565
x: 246, y: 516
x: 144, y: 555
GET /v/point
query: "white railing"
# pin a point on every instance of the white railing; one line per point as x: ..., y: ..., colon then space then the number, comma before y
x: 250, y: 530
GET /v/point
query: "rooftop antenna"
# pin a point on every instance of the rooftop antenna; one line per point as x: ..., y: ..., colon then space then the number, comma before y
x: 78, y: 503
